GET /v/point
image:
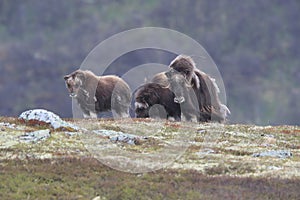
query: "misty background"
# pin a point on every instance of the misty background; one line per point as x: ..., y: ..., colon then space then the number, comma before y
x: 255, y: 45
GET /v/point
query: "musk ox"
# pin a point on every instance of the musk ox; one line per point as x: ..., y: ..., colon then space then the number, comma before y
x: 203, y: 86
x: 96, y: 94
x: 151, y: 94
x: 189, y: 110
x: 184, y: 95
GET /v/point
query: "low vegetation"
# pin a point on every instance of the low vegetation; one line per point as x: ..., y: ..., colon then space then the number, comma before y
x: 214, y: 161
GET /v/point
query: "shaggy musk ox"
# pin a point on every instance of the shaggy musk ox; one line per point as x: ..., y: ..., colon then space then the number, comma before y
x: 185, y: 96
x: 97, y: 94
x: 149, y: 95
x: 188, y: 106
x: 186, y: 80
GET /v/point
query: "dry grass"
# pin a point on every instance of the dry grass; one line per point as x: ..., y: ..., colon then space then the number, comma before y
x: 85, y: 178
x: 217, y: 165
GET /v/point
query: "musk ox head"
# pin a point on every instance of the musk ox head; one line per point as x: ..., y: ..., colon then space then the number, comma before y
x: 179, y: 85
x: 185, y: 65
x: 74, y: 82
x: 141, y: 110
x: 145, y: 97
x: 141, y: 107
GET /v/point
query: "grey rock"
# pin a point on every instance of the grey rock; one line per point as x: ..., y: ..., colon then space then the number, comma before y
x: 35, y: 136
x: 117, y: 136
x: 7, y: 125
x: 277, y: 154
x: 47, y: 117
x: 69, y: 133
x: 205, y: 151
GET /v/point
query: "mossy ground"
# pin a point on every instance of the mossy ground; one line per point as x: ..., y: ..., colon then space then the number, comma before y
x: 218, y: 163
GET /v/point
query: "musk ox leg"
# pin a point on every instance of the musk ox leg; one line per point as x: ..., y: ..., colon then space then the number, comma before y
x: 189, y: 117
x: 171, y: 119
x: 174, y: 118
x: 120, y: 105
x: 120, y: 114
x: 119, y: 110
x: 158, y: 111
x: 121, y: 99
x: 91, y: 115
x: 204, y: 117
x: 192, y: 118
x: 86, y: 116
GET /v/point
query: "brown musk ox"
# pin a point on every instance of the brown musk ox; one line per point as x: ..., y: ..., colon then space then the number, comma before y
x: 96, y: 94
x: 185, y: 96
x: 189, y: 110
x: 204, y: 88
x: 149, y: 95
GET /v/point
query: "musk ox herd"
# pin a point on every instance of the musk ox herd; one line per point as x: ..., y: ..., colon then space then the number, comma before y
x: 183, y: 92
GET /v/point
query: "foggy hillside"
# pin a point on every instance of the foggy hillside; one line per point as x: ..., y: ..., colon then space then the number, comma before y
x: 255, y: 45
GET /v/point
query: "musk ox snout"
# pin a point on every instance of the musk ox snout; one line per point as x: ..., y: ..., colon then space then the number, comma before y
x: 179, y: 100
x: 73, y: 84
x: 73, y: 95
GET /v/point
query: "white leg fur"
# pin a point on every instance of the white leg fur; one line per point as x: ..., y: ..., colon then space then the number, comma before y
x: 86, y: 116
x: 93, y: 115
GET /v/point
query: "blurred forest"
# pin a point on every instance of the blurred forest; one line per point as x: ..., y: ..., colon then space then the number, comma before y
x: 255, y: 45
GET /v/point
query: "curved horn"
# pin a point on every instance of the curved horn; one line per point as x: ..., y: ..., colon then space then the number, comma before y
x: 167, y: 86
x: 66, y: 77
x: 188, y: 85
x: 196, y: 80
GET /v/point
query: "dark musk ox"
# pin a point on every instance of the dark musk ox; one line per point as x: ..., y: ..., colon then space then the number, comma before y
x: 186, y: 97
x: 149, y: 95
x: 189, y: 107
x: 96, y: 94
x: 184, y: 75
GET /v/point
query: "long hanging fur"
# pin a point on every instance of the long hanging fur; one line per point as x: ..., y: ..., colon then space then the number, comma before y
x: 204, y: 86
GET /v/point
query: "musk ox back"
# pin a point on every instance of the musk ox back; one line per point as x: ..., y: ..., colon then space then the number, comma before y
x: 96, y: 94
x: 151, y: 94
x: 161, y: 79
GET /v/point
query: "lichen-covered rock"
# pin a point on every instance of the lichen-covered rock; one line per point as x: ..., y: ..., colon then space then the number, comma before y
x: 35, y: 136
x: 7, y: 125
x: 277, y: 154
x: 41, y: 116
x: 117, y: 136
